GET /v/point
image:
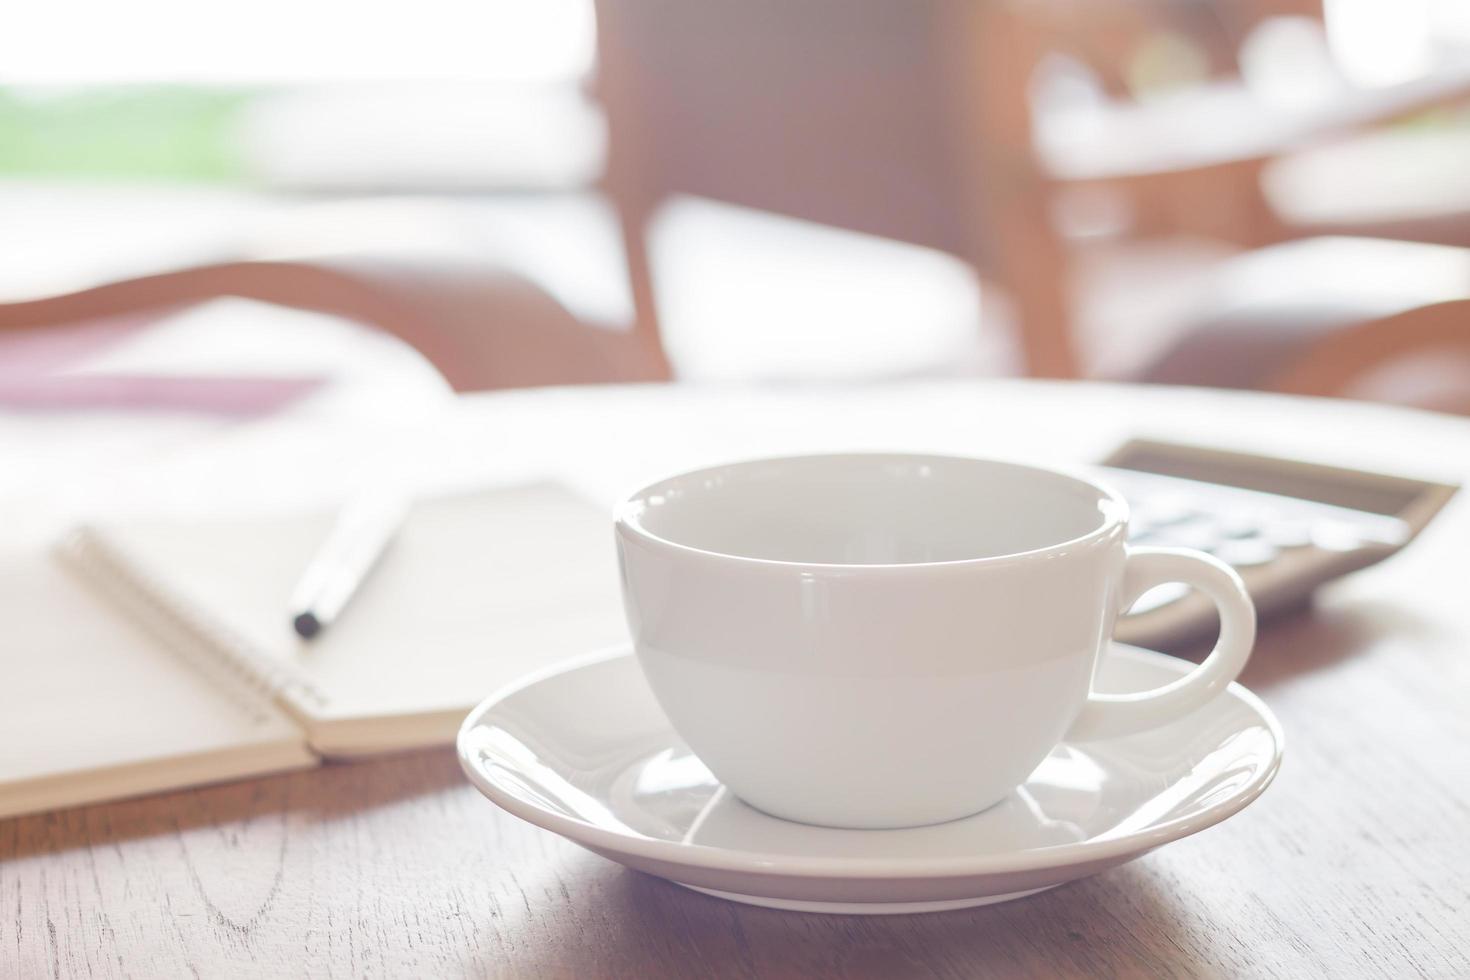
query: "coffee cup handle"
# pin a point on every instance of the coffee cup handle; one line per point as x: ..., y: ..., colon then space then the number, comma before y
x: 1108, y: 715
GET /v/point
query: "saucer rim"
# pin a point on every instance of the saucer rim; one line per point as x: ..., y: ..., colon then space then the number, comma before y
x: 1057, y: 856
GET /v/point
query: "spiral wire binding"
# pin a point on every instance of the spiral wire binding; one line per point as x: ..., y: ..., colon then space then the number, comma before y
x: 209, y: 645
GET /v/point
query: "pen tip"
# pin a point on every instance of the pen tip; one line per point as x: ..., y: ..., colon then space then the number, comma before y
x: 307, y: 625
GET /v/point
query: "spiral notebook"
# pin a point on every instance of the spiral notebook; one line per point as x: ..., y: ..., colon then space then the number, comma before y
x: 165, y: 657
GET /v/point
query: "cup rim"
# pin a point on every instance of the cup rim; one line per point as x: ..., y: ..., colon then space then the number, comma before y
x: 1115, y: 514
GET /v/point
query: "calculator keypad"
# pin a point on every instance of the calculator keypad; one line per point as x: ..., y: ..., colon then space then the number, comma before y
x: 1245, y: 529
x: 1282, y: 545
x: 1236, y: 538
x: 1240, y: 537
x: 1243, y: 536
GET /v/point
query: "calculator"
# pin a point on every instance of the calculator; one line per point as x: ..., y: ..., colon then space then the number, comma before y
x: 1286, y: 526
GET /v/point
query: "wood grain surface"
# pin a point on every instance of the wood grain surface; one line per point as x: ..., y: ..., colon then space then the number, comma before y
x: 1355, y: 863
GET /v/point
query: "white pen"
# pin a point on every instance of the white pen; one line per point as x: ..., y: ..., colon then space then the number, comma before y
x: 365, y: 526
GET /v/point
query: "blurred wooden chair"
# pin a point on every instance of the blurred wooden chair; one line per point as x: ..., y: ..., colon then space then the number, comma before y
x: 913, y: 121
x: 1419, y: 358
x: 1305, y: 311
x: 1193, y: 161
x: 1344, y: 317
x: 906, y: 120
x: 479, y: 325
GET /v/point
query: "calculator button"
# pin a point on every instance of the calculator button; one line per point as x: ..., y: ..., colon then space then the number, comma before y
x: 1333, y: 535
x: 1201, y: 534
x: 1246, y: 553
x: 1242, y: 523
x: 1157, y: 512
x: 1287, y: 534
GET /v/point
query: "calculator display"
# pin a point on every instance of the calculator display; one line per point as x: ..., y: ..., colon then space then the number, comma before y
x: 1381, y: 495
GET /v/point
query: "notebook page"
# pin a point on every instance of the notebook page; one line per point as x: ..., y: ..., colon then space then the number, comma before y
x: 475, y: 591
x: 93, y: 706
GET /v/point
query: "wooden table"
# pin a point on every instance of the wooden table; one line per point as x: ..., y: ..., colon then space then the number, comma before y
x: 1356, y: 862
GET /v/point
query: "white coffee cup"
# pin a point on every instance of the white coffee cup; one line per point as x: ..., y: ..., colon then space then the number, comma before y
x: 894, y: 640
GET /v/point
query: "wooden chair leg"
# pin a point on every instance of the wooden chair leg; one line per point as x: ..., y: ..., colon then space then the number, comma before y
x: 647, y: 330
x: 1014, y: 239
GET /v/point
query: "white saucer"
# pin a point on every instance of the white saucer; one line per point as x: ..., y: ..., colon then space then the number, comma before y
x: 584, y: 751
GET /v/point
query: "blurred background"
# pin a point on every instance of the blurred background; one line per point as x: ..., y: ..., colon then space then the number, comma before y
x: 229, y: 209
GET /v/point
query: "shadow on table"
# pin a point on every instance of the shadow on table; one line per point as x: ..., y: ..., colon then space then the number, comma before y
x: 650, y: 928
x: 1315, y: 638
x: 334, y: 791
